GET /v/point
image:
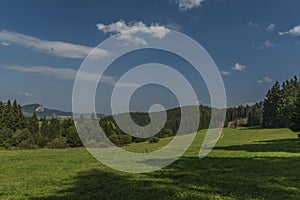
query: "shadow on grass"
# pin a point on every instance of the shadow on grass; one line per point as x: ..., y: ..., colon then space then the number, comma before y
x: 282, y: 145
x: 192, y: 178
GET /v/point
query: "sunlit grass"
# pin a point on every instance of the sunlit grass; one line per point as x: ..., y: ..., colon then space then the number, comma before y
x: 245, y: 164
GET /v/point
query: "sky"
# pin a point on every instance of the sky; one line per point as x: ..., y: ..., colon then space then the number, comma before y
x: 43, y: 44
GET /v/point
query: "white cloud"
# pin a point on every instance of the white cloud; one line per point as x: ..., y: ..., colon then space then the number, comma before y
x: 57, y: 48
x: 271, y: 27
x: 268, y: 44
x: 59, y: 73
x: 5, y: 44
x: 249, y: 103
x: 225, y: 73
x: 185, y: 5
x: 239, y: 67
x: 173, y: 26
x: 68, y: 74
x: 264, y: 45
x: 266, y: 79
x: 27, y: 94
x: 199, y: 102
x: 294, y: 31
x: 252, y: 24
x: 128, y: 30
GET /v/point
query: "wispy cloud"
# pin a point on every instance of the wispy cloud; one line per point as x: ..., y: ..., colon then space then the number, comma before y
x: 252, y: 24
x: 27, y: 94
x: 294, y: 31
x: 249, y: 103
x: 271, y: 27
x: 264, y: 45
x: 129, y: 30
x: 68, y: 74
x: 266, y: 79
x: 174, y: 26
x: 225, y: 73
x: 239, y: 67
x: 57, y: 48
x: 185, y: 5
x: 6, y: 44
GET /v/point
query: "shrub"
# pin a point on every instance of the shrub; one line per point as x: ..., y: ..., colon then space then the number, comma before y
x: 6, y: 138
x: 124, y: 139
x: 154, y: 140
x: 166, y: 133
x: 21, y: 136
x: 41, y: 141
x: 73, y: 139
x: 138, y: 140
x: 114, y: 139
x: 27, y: 144
x: 58, y: 143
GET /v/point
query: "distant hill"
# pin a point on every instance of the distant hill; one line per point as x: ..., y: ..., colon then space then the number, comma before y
x: 41, y: 111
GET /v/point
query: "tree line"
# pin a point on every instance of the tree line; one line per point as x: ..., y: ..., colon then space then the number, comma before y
x: 19, y: 132
x: 281, y: 108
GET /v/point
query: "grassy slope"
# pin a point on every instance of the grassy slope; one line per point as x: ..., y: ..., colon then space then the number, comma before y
x: 246, y: 164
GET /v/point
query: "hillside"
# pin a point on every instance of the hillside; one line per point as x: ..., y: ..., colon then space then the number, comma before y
x: 41, y: 111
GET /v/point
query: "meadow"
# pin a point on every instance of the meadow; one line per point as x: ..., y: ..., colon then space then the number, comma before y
x: 249, y: 163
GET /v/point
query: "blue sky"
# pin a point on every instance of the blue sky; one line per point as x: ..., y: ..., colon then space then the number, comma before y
x: 253, y: 43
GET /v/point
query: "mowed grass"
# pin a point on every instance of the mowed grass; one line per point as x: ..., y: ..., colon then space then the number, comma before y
x: 245, y: 164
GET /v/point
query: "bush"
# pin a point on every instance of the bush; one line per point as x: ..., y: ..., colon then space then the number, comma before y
x: 114, y: 139
x: 41, y: 141
x: 124, y: 139
x: 73, y: 139
x: 138, y: 140
x: 58, y: 143
x: 22, y: 136
x: 154, y: 140
x: 166, y: 133
x: 27, y: 144
x: 6, y: 138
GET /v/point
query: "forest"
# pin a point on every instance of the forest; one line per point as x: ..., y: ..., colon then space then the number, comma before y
x: 280, y: 109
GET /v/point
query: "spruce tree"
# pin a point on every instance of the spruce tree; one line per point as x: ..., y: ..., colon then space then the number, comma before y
x: 33, y: 125
x: 21, y: 119
x: 295, y: 125
x: 271, y: 113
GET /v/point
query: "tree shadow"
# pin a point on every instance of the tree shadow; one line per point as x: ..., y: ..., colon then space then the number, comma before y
x: 192, y: 178
x: 281, y: 145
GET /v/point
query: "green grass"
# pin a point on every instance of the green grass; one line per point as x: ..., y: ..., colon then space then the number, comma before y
x: 245, y: 164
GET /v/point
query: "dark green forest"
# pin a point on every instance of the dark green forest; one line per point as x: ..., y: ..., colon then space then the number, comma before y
x: 281, y: 108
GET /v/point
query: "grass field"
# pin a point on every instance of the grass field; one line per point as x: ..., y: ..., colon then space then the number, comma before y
x: 246, y: 164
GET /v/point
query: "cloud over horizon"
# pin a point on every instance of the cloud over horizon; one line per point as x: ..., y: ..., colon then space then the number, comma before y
x: 57, y: 48
x: 266, y: 79
x: 68, y: 74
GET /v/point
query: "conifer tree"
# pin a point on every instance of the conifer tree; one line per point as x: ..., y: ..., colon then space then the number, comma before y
x: 33, y: 125
x: 295, y: 125
x: 271, y: 112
